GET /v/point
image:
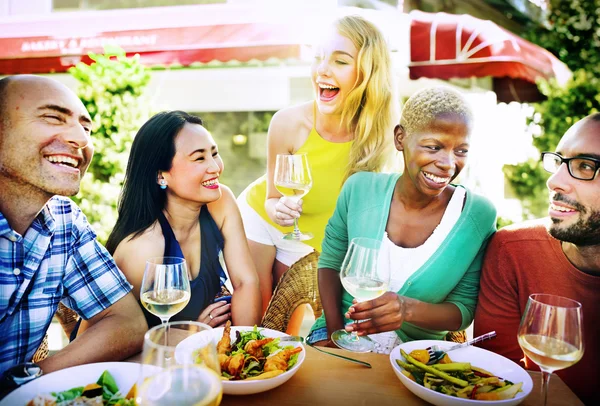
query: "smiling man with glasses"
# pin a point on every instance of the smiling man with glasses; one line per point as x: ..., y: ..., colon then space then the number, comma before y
x: 582, y: 168
x: 559, y: 255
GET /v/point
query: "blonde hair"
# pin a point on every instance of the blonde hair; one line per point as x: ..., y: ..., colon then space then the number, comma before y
x: 369, y: 108
x: 423, y: 107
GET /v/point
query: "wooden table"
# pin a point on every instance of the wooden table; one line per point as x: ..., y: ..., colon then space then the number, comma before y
x: 327, y: 380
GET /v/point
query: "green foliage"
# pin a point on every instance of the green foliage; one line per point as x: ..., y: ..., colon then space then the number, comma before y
x: 573, y: 34
x: 111, y: 90
x: 502, y: 222
x: 258, y: 122
x: 565, y: 106
x: 528, y: 181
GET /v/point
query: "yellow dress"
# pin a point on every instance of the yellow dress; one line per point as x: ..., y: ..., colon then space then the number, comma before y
x: 328, y: 162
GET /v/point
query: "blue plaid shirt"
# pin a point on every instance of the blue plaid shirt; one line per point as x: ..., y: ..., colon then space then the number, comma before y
x: 58, y: 259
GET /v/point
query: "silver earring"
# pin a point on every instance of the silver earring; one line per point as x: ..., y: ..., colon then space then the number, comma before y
x: 163, y: 184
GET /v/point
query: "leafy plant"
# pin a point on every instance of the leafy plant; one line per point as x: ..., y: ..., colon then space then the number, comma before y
x: 573, y: 35
x: 111, y: 90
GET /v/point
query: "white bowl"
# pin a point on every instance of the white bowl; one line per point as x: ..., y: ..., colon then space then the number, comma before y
x: 185, y: 348
x: 492, y: 362
x: 125, y: 374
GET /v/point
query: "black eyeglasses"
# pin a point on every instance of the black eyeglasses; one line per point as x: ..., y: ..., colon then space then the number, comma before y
x: 579, y: 168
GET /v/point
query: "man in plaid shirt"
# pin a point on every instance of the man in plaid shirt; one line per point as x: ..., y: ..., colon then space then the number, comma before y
x: 48, y: 251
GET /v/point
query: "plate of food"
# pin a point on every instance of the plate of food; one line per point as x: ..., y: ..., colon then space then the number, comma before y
x: 466, y: 376
x: 252, y: 359
x: 101, y: 383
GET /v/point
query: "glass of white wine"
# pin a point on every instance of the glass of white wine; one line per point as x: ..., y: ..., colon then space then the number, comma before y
x: 174, y: 374
x: 365, y: 280
x: 293, y: 180
x: 165, y: 287
x: 550, y: 334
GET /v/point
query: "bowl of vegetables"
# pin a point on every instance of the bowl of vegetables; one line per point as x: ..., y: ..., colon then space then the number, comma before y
x: 466, y: 376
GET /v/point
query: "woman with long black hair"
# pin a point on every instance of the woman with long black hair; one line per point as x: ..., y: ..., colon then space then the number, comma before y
x: 172, y: 204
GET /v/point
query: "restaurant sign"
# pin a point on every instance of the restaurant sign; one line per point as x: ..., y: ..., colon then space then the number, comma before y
x: 158, y: 39
x: 77, y: 46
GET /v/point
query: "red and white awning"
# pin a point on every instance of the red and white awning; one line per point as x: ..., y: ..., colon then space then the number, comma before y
x: 442, y: 45
x: 448, y: 46
x: 162, y: 36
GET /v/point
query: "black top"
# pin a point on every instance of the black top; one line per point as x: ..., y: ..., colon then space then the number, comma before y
x: 208, y: 283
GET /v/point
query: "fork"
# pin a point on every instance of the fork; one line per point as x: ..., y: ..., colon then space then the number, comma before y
x: 363, y: 363
x: 436, y: 353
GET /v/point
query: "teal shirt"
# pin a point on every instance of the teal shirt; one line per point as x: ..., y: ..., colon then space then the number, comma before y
x: 450, y: 275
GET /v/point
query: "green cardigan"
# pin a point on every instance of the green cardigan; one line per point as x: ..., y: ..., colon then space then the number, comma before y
x: 450, y: 275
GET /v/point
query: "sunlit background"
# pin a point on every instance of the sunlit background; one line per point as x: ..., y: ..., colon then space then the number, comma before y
x: 235, y: 62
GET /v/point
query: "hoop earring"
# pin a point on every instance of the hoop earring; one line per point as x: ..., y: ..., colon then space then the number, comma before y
x: 163, y: 184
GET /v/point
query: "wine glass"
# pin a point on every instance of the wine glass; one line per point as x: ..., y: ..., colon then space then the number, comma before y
x: 293, y: 180
x: 363, y: 279
x: 165, y: 287
x: 179, y: 371
x: 550, y: 334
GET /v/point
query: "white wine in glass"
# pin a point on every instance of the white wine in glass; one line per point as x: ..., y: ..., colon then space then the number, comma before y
x: 172, y: 375
x: 165, y: 287
x: 165, y: 303
x: 550, y: 334
x: 293, y: 180
x: 365, y: 280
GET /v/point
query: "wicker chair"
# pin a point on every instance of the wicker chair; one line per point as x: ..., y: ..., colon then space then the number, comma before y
x: 456, y: 336
x: 298, y: 285
x: 42, y: 352
x: 67, y: 317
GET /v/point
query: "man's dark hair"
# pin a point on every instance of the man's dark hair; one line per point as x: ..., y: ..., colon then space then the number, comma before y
x: 152, y: 151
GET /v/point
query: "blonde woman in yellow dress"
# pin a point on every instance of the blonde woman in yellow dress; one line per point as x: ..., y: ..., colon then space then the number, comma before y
x: 346, y: 129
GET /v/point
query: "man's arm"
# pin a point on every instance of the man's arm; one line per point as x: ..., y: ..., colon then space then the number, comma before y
x: 112, y: 335
x: 498, y: 307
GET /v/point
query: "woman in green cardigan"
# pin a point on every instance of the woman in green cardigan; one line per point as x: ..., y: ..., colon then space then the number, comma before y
x: 433, y: 233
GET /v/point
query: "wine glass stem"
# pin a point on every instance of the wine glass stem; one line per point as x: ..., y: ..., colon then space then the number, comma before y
x: 545, y: 382
x: 296, y: 229
x: 354, y: 334
x: 165, y: 323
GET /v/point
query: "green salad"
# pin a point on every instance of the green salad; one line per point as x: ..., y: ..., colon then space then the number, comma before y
x: 103, y: 392
x: 251, y: 355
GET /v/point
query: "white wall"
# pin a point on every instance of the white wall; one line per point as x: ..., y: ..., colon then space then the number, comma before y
x: 22, y: 7
x: 217, y: 89
x: 226, y: 89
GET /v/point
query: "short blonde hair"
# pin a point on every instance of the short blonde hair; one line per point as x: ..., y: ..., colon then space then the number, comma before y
x: 369, y: 108
x: 425, y: 106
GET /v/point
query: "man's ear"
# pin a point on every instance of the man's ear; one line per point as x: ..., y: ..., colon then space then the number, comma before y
x: 399, y: 137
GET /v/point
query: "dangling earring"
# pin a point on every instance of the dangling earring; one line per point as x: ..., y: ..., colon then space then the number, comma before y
x: 163, y: 184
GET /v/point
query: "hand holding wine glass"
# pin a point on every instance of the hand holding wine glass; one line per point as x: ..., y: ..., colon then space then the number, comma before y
x: 184, y: 375
x: 551, y: 335
x: 165, y: 287
x: 293, y: 180
x: 365, y: 280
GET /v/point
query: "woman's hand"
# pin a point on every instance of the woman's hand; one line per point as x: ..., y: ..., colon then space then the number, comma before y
x: 216, y: 314
x: 385, y: 313
x: 286, y: 210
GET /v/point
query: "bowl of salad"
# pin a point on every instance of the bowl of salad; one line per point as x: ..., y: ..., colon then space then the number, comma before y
x: 102, y: 383
x: 252, y: 359
x: 466, y: 376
